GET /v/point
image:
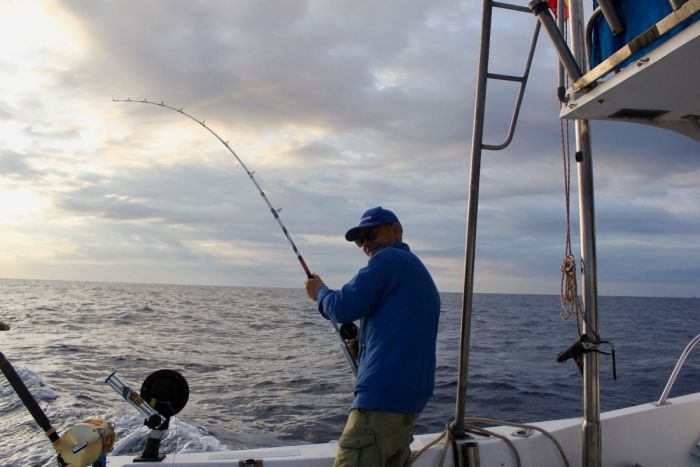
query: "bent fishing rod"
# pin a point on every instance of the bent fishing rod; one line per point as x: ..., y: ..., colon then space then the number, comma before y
x: 347, y: 331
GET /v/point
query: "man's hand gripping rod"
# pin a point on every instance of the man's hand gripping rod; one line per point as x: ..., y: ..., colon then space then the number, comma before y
x: 275, y: 212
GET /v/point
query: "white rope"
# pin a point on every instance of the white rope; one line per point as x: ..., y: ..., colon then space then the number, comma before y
x: 447, y: 434
x: 569, y: 299
x: 495, y: 421
x: 470, y: 427
x: 570, y: 304
x: 484, y: 431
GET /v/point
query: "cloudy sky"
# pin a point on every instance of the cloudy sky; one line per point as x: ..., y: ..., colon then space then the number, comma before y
x: 338, y: 106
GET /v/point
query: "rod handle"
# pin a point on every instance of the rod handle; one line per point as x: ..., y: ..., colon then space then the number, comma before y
x: 27, y: 399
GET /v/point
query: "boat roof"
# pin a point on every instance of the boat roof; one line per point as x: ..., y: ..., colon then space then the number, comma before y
x: 659, y: 89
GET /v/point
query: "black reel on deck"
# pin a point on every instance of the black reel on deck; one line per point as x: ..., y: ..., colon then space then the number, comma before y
x: 167, y: 392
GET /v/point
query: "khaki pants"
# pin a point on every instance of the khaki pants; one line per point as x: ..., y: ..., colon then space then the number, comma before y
x: 375, y: 439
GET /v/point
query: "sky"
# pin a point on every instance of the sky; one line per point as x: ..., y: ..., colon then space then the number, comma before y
x: 338, y: 106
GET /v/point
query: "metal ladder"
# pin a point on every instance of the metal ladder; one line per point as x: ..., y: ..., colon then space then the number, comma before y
x: 478, y: 145
x: 485, y: 75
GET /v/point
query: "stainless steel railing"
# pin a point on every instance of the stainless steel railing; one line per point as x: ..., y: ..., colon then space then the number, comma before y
x: 672, y: 379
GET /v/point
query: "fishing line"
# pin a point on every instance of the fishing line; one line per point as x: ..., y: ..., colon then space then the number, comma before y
x: 275, y: 212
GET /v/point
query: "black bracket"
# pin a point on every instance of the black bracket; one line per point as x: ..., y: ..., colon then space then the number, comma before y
x: 585, y: 345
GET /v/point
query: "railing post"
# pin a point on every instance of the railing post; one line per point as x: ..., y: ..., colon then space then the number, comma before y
x: 472, y: 209
x: 677, y: 369
x: 592, y: 447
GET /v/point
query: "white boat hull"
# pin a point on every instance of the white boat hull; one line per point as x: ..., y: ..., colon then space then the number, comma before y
x: 644, y: 435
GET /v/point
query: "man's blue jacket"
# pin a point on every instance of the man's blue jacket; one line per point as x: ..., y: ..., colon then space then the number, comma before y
x: 399, y: 307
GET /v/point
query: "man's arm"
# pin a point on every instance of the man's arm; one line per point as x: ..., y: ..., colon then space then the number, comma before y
x: 359, y: 297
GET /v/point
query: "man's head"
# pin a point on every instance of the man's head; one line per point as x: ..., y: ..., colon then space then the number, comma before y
x: 378, y: 228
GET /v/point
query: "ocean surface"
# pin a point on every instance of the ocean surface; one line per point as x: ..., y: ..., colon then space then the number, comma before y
x: 265, y: 370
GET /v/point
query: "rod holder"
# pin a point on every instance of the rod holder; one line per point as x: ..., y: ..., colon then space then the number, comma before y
x: 151, y: 450
x: 469, y: 454
x: 153, y: 418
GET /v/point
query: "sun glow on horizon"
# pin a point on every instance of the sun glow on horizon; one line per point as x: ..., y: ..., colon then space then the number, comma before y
x: 20, y: 205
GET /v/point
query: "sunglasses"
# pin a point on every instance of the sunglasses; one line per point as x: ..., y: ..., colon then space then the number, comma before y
x: 369, y: 236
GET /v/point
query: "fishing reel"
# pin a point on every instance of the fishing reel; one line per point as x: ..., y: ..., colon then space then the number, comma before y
x: 163, y: 394
x: 585, y: 345
x: 348, y: 332
x: 86, y: 443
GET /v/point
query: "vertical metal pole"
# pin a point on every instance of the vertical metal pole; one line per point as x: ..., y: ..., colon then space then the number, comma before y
x: 592, y: 452
x: 589, y: 290
x: 472, y: 209
x: 561, y: 22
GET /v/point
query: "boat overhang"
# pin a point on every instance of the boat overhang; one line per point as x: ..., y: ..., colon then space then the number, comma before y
x: 660, y: 89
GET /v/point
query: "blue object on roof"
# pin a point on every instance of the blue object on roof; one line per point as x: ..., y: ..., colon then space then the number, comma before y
x: 637, y: 16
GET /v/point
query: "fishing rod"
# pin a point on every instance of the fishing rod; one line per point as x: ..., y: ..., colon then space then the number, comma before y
x: 29, y: 402
x: 347, y: 333
x: 84, y: 444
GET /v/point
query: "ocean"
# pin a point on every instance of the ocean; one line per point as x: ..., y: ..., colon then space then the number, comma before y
x: 264, y: 369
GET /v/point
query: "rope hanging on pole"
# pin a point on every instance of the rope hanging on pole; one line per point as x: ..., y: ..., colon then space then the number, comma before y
x: 570, y: 304
x: 569, y: 299
x: 275, y: 212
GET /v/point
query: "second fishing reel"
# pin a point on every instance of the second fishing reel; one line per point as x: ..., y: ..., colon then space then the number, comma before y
x: 163, y: 394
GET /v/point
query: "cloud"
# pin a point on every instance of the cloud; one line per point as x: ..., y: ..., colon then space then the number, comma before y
x: 6, y: 111
x: 15, y: 165
x: 337, y: 106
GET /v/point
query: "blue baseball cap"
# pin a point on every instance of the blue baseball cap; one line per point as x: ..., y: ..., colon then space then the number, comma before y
x: 371, y: 218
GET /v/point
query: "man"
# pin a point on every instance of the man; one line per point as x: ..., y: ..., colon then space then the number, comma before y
x: 398, y: 305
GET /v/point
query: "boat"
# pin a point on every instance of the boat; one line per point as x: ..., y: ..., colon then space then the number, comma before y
x: 631, y: 84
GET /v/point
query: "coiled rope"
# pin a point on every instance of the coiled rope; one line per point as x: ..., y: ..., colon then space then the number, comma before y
x: 570, y: 304
x: 569, y: 299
